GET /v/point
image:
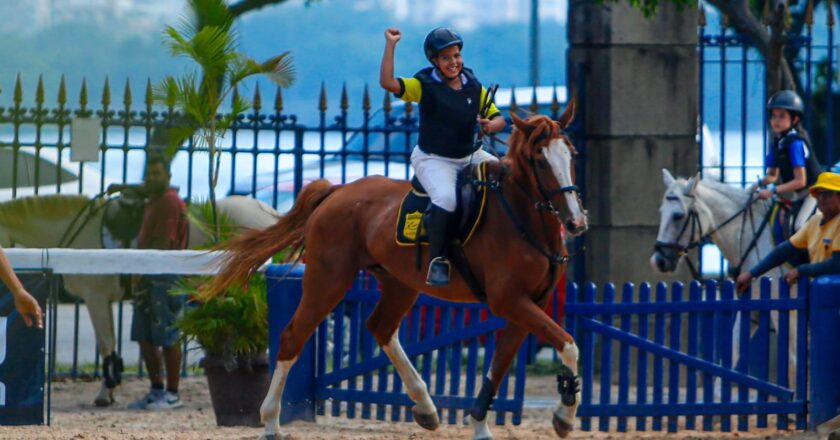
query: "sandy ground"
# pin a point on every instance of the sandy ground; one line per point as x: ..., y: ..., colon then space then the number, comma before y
x: 77, y: 419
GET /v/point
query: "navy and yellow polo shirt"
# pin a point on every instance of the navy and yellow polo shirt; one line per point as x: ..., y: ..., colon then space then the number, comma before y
x: 447, y: 116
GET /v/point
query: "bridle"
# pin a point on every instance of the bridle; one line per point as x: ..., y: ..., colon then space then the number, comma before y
x: 555, y: 257
x: 695, y: 226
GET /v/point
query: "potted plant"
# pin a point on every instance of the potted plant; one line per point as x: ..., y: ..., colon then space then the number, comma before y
x: 233, y: 331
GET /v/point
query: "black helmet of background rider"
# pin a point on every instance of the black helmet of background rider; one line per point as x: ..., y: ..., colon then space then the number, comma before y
x: 787, y: 100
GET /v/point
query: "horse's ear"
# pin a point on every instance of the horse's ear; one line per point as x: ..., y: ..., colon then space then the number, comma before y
x: 692, y: 185
x: 568, y: 114
x: 520, y: 124
x: 667, y: 178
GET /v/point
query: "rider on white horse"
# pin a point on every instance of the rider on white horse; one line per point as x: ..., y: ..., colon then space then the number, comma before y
x: 791, y: 165
x: 451, y: 101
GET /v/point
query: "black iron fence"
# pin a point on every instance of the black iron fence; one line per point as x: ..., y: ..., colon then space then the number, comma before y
x: 267, y: 154
x: 733, y: 133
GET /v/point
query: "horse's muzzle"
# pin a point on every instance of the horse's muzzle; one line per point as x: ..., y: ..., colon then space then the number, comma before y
x: 663, y: 263
x: 577, y: 226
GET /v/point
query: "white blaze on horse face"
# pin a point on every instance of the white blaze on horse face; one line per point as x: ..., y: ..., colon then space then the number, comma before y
x: 559, y: 156
x: 673, y: 215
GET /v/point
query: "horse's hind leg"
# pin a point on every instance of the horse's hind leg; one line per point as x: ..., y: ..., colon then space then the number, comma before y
x: 324, y: 285
x: 384, y: 322
x: 506, y: 348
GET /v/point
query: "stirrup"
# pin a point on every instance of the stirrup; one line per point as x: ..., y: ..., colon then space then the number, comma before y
x: 438, y: 274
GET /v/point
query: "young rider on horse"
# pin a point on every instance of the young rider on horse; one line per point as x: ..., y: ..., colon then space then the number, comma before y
x: 791, y: 165
x: 450, y: 99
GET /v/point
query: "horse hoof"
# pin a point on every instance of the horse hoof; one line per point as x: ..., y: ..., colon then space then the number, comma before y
x: 103, y: 401
x: 561, y: 426
x: 428, y: 421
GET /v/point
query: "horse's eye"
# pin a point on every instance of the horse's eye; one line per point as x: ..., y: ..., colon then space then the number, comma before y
x: 678, y: 216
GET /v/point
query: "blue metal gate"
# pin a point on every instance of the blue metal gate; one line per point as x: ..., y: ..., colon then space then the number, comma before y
x: 342, y: 370
x: 662, y: 354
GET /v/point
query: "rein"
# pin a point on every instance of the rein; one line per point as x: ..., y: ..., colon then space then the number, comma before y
x: 73, y: 229
x: 555, y: 259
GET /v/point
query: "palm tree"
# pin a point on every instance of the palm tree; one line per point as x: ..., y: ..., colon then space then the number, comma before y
x: 206, y: 36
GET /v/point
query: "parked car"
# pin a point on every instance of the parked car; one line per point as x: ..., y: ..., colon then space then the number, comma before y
x: 48, y: 174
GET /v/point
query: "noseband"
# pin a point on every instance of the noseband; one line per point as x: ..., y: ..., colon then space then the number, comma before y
x: 696, y: 227
x: 548, y: 194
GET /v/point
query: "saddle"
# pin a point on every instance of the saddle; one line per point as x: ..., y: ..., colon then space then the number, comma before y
x: 782, y: 227
x: 471, y: 202
x: 472, y: 199
x: 122, y: 218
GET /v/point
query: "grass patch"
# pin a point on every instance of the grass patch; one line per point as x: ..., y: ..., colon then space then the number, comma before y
x: 544, y: 367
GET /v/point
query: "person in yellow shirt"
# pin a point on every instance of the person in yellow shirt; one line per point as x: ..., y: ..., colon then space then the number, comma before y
x: 819, y: 237
x: 25, y: 304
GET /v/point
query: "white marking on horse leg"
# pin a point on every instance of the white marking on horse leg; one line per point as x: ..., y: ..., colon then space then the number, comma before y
x: 105, y: 396
x: 481, y: 429
x: 414, y: 385
x: 569, y: 356
x: 270, y: 408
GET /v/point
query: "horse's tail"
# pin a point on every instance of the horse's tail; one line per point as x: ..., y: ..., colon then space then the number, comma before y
x: 249, y: 250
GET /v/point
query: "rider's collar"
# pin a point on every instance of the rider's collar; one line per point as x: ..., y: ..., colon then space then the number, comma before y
x: 436, y: 76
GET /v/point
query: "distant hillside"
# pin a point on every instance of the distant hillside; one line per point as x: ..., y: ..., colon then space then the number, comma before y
x: 331, y: 42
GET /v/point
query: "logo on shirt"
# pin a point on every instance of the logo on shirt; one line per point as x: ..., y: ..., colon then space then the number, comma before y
x: 469, y: 101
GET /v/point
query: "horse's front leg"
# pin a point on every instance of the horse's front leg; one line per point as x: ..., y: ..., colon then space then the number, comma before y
x: 530, y: 317
x: 97, y: 292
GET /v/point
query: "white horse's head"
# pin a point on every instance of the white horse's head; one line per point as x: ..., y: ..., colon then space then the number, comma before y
x: 679, y: 223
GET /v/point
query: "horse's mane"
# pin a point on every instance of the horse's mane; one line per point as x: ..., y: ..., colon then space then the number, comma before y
x: 735, y: 194
x: 48, y: 207
x: 521, y: 144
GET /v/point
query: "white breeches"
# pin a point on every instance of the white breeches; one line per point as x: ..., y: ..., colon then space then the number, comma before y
x: 437, y: 174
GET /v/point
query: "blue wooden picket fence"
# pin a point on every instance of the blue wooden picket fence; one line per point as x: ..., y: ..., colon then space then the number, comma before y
x: 657, y: 357
x: 342, y: 370
x: 661, y: 353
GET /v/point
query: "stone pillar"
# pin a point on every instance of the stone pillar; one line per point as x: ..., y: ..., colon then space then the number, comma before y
x: 639, y: 92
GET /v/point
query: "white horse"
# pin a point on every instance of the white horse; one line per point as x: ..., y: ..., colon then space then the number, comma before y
x: 43, y: 222
x: 731, y: 217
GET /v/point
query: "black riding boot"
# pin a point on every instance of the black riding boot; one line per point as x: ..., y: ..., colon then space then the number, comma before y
x: 437, y: 222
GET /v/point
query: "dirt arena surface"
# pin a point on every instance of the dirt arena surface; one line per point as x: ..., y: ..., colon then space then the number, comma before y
x: 74, y: 417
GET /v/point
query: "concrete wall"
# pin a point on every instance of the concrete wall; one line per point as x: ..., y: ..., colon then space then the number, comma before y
x: 640, y: 103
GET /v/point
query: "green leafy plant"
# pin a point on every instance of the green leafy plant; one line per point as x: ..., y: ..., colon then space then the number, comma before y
x: 229, y: 326
x: 206, y: 36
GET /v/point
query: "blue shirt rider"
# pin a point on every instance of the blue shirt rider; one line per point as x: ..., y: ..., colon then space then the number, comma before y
x: 450, y: 99
x: 791, y: 165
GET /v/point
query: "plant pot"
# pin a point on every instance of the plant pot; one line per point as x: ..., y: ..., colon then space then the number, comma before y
x: 238, y: 394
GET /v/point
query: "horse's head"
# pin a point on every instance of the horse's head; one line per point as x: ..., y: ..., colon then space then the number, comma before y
x: 539, y: 144
x: 679, y: 224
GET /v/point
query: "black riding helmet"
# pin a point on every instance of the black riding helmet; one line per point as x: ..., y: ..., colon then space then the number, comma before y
x: 439, y: 39
x: 788, y: 100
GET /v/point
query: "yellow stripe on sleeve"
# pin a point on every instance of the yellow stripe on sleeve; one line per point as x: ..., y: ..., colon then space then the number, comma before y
x: 411, y: 89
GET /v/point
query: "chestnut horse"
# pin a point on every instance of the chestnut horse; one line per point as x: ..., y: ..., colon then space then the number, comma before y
x: 516, y: 254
